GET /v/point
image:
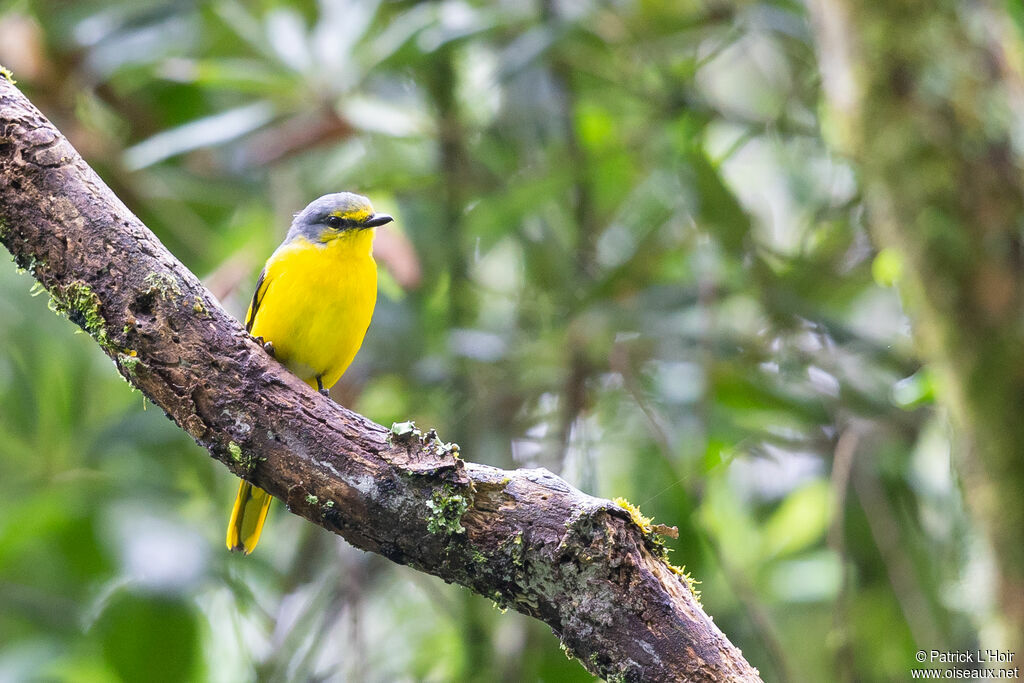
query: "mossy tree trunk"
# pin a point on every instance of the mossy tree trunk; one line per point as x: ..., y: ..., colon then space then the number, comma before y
x: 923, y: 97
x: 592, y: 570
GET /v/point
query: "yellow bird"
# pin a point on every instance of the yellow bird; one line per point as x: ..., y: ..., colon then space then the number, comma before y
x: 312, y: 305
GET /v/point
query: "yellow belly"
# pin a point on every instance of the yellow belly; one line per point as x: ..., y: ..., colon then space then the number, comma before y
x: 317, y: 303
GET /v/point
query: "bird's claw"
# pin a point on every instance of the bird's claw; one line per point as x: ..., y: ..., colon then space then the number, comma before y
x: 326, y: 392
x: 268, y: 346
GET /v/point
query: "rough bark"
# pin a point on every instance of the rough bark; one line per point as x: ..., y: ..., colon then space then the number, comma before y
x: 924, y: 98
x: 523, y: 538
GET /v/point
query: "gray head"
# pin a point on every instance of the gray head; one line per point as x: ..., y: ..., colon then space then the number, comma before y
x: 334, y: 215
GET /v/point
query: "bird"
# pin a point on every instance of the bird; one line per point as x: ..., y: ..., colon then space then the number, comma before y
x: 312, y: 306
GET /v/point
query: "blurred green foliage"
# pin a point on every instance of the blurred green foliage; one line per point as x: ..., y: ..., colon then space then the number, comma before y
x: 622, y: 252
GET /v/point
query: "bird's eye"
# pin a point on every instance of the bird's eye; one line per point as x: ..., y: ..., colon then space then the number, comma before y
x: 334, y: 221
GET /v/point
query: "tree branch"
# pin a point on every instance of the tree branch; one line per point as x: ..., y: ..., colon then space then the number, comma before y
x: 524, y: 538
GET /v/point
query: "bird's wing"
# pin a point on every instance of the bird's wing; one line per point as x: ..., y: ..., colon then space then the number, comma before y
x: 257, y: 298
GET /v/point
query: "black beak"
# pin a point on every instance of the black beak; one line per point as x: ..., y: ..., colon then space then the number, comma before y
x: 376, y: 220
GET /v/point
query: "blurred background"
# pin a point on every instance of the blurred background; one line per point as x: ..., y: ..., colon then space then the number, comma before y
x: 622, y: 251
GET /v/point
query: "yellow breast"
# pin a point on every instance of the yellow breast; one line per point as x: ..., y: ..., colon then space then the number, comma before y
x: 316, y: 304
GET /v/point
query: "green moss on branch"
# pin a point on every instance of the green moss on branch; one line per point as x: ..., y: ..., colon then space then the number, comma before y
x: 446, y: 509
x: 81, y: 305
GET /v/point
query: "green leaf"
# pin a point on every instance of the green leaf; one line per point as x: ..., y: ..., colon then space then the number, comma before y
x: 887, y: 267
x: 800, y: 521
x: 718, y: 205
x: 150, y: 638
x: 209, y: 130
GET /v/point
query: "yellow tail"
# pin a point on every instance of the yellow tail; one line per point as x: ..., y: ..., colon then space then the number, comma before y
x: 247, y: 517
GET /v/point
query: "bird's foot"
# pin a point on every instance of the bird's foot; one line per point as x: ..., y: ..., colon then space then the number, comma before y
x: 268, y: 346
x: 326, y: 392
